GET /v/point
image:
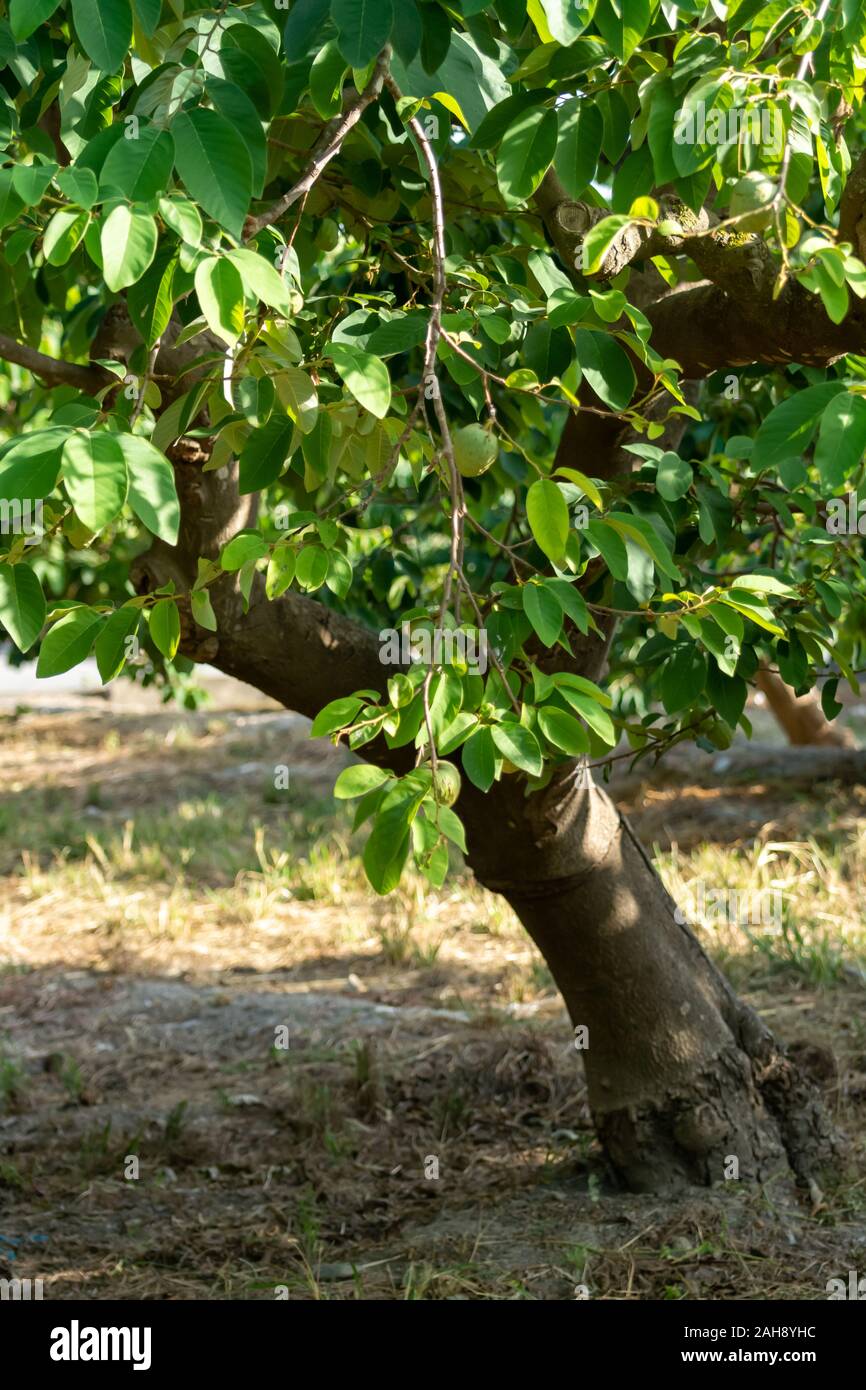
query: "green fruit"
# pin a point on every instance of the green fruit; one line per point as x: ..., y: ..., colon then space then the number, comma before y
x: 753, y: 190
x: 447, y: 783
x: 328, y: 234
x: 475, y: 450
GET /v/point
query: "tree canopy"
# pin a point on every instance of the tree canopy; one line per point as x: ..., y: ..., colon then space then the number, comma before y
x: 518, y: 325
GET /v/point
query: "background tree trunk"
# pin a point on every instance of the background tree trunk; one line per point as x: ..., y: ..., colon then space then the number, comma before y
x: 801, y: 716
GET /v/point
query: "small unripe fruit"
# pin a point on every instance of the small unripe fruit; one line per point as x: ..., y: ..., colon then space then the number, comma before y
x: 753, y: 190
x: 328, y: 234
x: 475, y: 450
x: 447, y: 784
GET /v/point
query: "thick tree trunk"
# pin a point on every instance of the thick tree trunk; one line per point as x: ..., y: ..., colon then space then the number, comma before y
x: 682, y: 1076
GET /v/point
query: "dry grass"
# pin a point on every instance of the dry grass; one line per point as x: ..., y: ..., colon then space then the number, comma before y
x: 154, y: 854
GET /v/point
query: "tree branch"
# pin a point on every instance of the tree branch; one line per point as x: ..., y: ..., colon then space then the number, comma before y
x: 327, y: 146
x: 53, y: 370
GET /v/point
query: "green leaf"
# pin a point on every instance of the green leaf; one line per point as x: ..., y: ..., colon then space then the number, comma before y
x: 547, y: 514
x: 10, y: 203
x: 25, y: 16
x: 543, y: 611
x: 610, y: 546
x: 578, y: 146
x: 339, y: 714
x: 68, y: 642
x: 128, y: 243
x: 570, y: 601
x: 363, y: 27
x: 214, y: 164
x: 220, y: 293
x: 599, y: 239
x: 242, y: 550
x: 152, y: 491
x: 387, y: 848
x: 111, y: 645
x: 316, y: 448
x: 255, y: 397
x: 265, y: 454
x: 589, y: 710
x: 605, y: 367
x: 398, y: 334
x: 31, y: 180
x: 357, y: 781
x: 326, y: 80
x: 673, y: 477
x: 147, y: 13
x: 841, y: 439
x: 95, y: 476
x: 563, y: 731
x: 22, y: 604
x: 31, y: 467
x: 829, y: 704
x: 299, y: 397
x: 526, y: 153
x: 281, y: 571
x: 726, y: 694
x: 640, y: 530
x: 788, y: 429
x: 104, y: 28
x: 165, y: 626
x: 365, y: 376
x: 585, y: 484
x: 63, y: 234
x: 683, y: 678
x: 311, y: 567
x: 661, y: 139
x: 139, y: 168
x: 407, y: 31
x: 78, y: 185
x: 478, y: 756
x: 571, y: 681
x: 519, y: 746
x: 497, y: 121
x: 202, y: 610
x: 183, y: 217
x: 305, y: 21
x: 234, y: 103
x: 566, y: 19
x: 151, y: 299
x: 622, y: 24
x: 262, y: 279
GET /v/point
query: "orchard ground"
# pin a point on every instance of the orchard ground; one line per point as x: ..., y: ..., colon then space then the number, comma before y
x: 165, y: 911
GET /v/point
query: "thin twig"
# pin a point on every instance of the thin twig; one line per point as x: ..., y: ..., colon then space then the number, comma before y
x: 329, y: 144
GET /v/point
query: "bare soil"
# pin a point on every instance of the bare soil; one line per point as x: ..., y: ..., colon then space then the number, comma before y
x: 227, y: 1072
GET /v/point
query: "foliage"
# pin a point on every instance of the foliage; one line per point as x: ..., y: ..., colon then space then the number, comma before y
x: 394, y: 375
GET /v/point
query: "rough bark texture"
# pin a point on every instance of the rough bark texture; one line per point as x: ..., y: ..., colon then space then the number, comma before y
x: 682, y: 1076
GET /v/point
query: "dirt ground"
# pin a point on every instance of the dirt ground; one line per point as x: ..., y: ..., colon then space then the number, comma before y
x: 227, y: 1071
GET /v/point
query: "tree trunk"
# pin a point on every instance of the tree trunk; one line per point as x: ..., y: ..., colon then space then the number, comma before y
x: 682, y: 1076
x: 801, y: 716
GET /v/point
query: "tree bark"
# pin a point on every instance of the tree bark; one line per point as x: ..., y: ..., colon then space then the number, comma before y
x: 682, y: 1076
